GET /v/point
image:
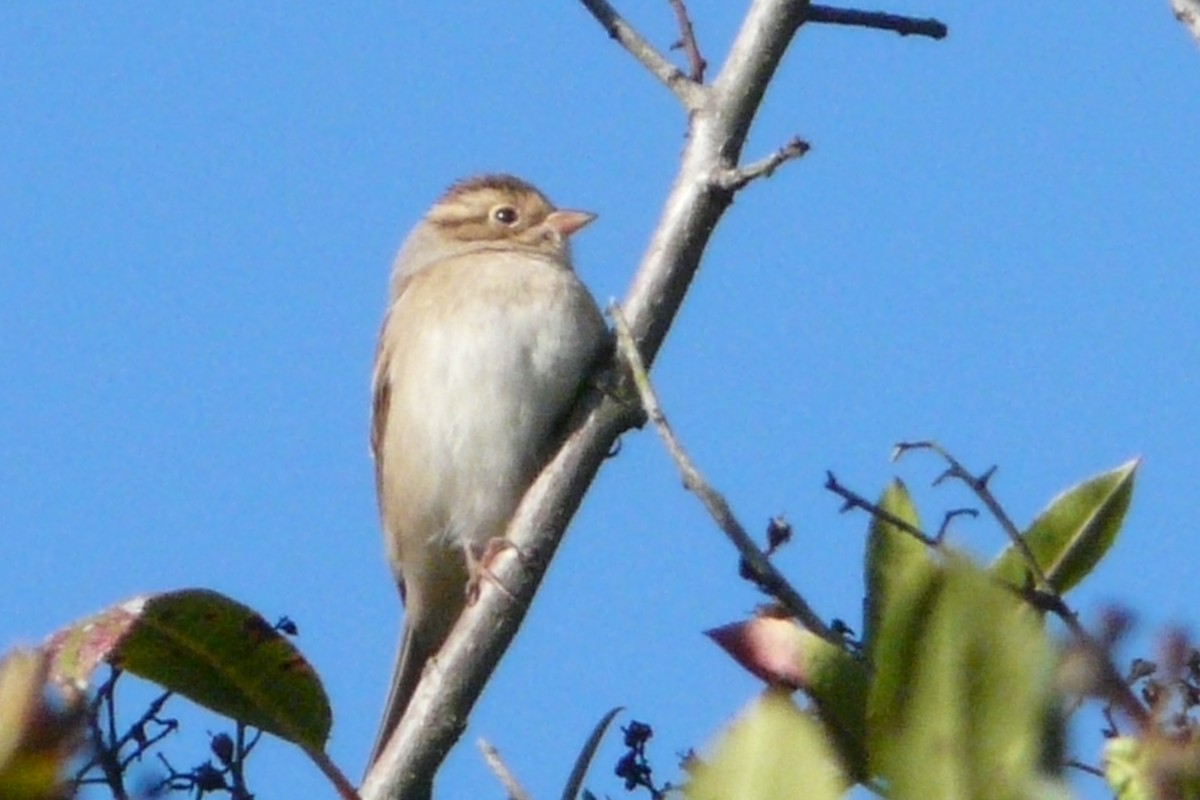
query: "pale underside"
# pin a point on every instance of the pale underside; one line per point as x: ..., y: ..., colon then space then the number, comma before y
x: 483, y: 358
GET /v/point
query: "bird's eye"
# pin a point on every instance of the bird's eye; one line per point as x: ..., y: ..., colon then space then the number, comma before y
x: 505, y: 215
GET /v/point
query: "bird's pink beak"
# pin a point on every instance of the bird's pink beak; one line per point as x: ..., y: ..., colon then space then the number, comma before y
x: 567, y: 222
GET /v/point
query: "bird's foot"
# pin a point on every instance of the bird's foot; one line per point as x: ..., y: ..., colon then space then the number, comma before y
x: 479, y: 567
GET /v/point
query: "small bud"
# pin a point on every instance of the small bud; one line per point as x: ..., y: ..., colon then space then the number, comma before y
x: 222, y: 747
x: 779, y: 533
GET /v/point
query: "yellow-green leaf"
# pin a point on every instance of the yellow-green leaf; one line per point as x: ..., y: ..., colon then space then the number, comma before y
x: 1124, y: 771
x: 1070, y: 537
x: 892, y: 553
x: 838, y: 686
x: 961, y: 701
x: 1152, y: 767
x: 774, y: 751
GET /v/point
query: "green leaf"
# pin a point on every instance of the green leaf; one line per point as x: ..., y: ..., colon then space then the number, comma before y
x: 892, y: 556
x: 209, y: 648
x: 1124, y: 771
x: 774, y: 751
x: 961, y: 702
x: 838, y: 684
x: 1070, y: 537
x: 1152, y: 767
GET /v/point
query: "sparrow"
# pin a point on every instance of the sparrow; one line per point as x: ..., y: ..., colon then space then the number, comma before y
x: 488, y: 338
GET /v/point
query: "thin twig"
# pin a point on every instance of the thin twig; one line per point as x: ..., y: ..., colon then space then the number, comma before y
x: 1082, y: 767
x: 949, y: 517
x: 345, y: 789
x: 491, y: 757
x: 107, y: 756
x: 905, y: 26
x: 1045, y: 595
x: 137, y: 731
x: 1113, y: 730
x: 736, y: 178
x: 237, y: 764
x: 1111, y: 686
x: 687, y: 42
x: 106, y: 753
x: 979, y: 485
x: 689, y: 92
x: 763, y: 571
x: 854, y: 500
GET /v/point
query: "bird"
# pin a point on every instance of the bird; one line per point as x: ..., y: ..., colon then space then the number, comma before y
x: 488, y: 339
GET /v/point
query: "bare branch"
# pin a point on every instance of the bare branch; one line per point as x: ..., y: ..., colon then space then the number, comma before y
x: 737, y: 178
x: 905, y: 26
x: 720, y: 116
x: 345, y: 789
x: 753, y: 58
x: 1046, y: 597
x: 760, y: 567
x: 1188, y: 12
x: 491, y: 757
x: 687, y: 42
x: 854, y: 500
x: 949, y: 517
x: 1082, y: 767
x: 689, y: 92
x: 979, y: 485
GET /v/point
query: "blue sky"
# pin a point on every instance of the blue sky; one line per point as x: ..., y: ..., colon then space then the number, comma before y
x: 992, y: 243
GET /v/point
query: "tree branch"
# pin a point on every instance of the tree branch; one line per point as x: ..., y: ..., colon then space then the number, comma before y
x: 512, y: 787
x: 1047, y: 597
x: 761, y: 570
x: 979, y: 485
x: 689, y: 92
x: 719, y: 119
x: 905, y: 26
x: 854, y: 500
x: 687, y: 42
x: 734, y: 179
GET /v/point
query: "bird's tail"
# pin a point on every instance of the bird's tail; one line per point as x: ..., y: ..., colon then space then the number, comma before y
x: 406, y: 674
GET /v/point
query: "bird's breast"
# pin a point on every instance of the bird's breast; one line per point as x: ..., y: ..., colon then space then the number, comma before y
x: 487, y: 359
